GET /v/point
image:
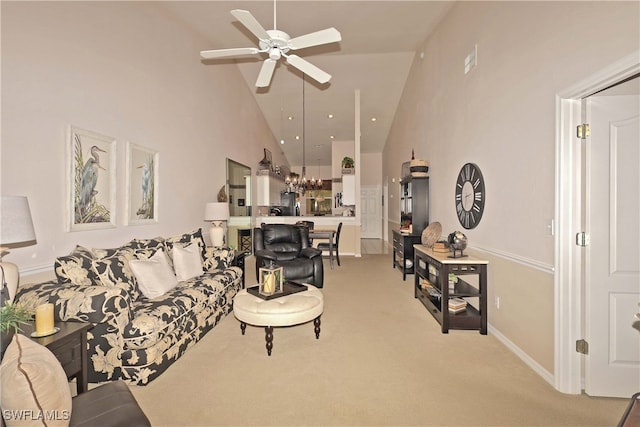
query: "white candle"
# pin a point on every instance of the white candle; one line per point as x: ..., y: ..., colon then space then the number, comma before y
x: 44, y: 319
x: 270, y: 283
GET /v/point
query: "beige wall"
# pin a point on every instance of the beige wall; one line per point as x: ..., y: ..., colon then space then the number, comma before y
x: 371, y: 167
x: 501, y: 116
x: 127, y: 70
x: 524, y: 313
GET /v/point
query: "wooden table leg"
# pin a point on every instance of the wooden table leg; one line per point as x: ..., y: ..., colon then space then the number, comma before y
x: 243, y: 327
x: 316, y: 329
x: 268, y: 335
x: 82, y: 378
x: 331, y: 252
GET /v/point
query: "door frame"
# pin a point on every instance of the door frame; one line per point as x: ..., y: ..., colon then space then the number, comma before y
x: 385, y: 209
x: 568, y: 278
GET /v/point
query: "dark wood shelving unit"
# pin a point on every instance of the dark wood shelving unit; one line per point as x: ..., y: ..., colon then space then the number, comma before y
x: 414, y: 209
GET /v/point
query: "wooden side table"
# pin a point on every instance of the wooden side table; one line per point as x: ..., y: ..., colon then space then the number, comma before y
x: 244, y: 239
x: 69, y: 345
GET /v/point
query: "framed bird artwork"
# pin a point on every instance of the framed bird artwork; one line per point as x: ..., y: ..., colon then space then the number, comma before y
x: 142, y: 185
x: 91, y: 180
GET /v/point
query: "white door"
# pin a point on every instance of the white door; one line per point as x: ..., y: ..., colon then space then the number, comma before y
x: 371, y: 212
x: 612, y: 287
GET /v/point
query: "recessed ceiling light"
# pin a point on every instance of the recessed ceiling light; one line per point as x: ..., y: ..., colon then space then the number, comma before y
x: 290, y: 117
x: 373, y: 119
x: 297, y: 137
x: 330, y: 116
x: 332, y: 137
x: 282, y: 141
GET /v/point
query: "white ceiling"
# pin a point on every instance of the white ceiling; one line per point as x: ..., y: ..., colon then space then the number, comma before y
x: 379, y: 42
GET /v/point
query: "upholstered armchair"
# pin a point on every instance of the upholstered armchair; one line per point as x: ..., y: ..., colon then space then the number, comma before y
x: 288, y: 247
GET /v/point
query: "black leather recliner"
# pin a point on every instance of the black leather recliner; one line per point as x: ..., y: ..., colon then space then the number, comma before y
x: 288, y: 247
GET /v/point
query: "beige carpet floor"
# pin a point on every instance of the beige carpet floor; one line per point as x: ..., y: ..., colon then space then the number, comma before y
x: 380, y: 361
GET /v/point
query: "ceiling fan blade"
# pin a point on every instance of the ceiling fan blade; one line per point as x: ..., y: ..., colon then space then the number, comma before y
x: 252, y: 24
x: 309, y: 69
x: 330, y: 35
x: 266, y: 72
x: 224, y: 53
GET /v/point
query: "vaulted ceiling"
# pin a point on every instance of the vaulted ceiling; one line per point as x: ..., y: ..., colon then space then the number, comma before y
x: 379, y: 42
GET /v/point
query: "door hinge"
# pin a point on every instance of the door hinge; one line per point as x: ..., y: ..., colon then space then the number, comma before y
x: 582, y: 239
x: 582, y: 346
x: 583, y: 131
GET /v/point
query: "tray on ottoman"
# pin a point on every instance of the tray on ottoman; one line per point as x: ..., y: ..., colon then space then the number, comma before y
x: 288, y: 288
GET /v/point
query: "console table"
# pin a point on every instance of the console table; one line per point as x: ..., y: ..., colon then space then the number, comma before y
x: 69, y: 345
x: 433, y: 268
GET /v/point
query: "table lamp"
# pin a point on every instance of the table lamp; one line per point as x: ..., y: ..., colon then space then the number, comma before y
x: 216, y: 212
x: 16, y: 227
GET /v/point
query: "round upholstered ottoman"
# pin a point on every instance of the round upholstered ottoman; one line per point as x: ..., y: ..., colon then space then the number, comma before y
x: 287, y: 310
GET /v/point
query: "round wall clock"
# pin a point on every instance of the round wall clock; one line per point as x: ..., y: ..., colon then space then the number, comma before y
x: 470, y: 196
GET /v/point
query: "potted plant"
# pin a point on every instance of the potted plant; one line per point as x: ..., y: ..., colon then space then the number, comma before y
x: 348, y: 163
x: 11, y: 317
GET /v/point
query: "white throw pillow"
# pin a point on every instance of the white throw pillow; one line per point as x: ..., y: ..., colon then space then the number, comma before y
x: 154, y: 275
x: 35, y: 389
x: 187, y: 261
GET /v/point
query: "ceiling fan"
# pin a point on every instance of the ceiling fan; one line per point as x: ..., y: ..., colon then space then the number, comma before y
x: 277, y: 44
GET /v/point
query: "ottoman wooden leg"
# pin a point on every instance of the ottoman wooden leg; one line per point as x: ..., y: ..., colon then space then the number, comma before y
x: 243, y: 327
x: 316, y: 329
x: 268, y: 335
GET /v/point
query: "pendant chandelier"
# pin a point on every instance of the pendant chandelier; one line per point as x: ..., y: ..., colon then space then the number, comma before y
x: 295, y: 183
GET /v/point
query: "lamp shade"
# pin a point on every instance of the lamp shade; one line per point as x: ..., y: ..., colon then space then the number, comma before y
x: 216, y: 211
x: 15, y: 219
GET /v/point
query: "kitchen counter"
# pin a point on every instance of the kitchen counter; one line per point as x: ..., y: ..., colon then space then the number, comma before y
x: 319, y: 221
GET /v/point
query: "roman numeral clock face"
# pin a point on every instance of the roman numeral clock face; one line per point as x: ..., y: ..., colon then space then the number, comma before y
x: 470, y: 196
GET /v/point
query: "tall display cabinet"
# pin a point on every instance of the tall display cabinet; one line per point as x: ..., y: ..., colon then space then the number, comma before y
x: 414, y: 218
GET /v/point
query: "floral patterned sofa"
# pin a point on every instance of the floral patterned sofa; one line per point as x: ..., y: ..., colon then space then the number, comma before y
x: 135, y: 339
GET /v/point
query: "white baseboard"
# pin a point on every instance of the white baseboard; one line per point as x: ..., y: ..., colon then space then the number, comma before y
x: 537, y: 368
x: 38, y: 269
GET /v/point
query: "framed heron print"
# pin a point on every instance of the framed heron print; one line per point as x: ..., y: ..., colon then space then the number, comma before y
x: 142, y: 185
x: 91, y: 180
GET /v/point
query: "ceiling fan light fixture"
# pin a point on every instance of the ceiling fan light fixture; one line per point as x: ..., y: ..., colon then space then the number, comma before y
x: 275, y: 54
x: 277, y: 44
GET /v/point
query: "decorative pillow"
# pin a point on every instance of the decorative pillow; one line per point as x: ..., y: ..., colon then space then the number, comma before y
x: 187, y: 262
x: 104, y: 253
x: 75, y: 267
x: 218, y: 258
x: 154, y: 275
x: 114, y: 271
x: 34, y: 385
x: 140, y: 244
x: 192, y: 237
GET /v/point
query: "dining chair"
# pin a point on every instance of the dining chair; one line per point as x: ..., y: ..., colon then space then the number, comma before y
x: 324, y: 246
x: 309, y: 225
